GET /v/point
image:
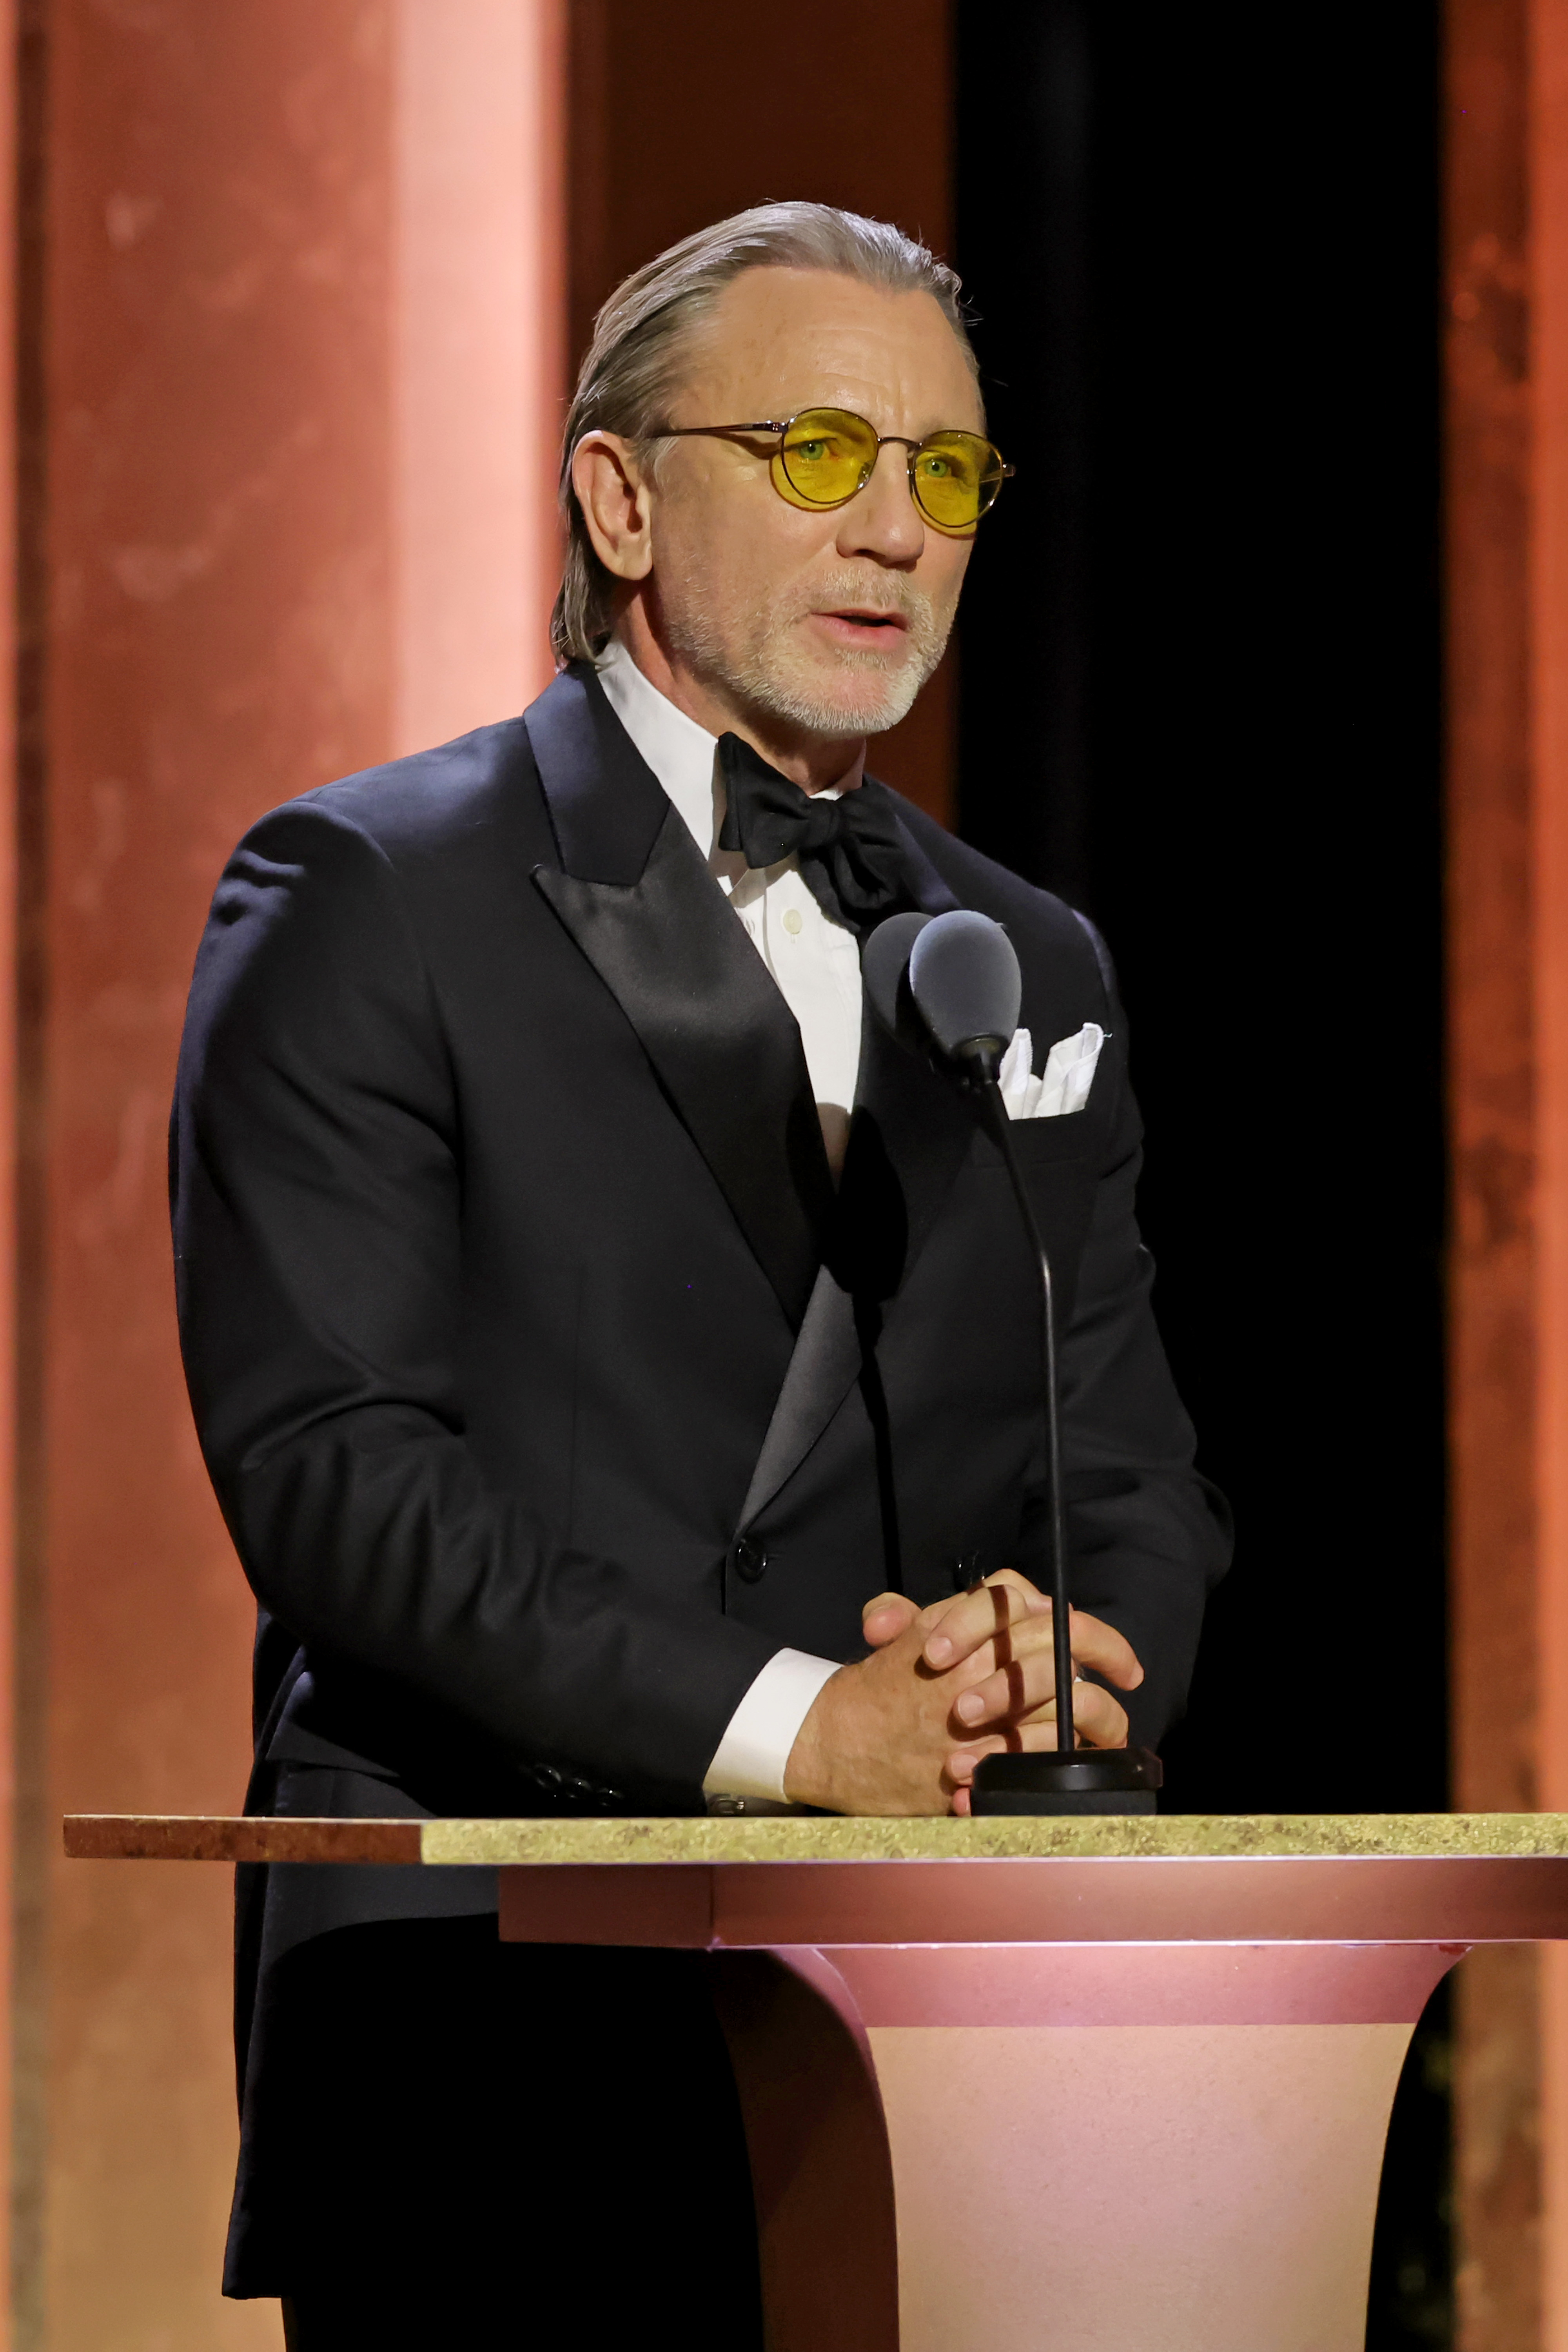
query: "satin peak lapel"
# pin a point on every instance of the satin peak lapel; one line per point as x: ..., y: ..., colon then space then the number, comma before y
x: 640, y: 904
x: 908, y: 1138
x: 821, y: 1373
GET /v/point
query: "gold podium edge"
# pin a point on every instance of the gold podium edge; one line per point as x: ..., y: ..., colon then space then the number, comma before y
x: 784, y: 1838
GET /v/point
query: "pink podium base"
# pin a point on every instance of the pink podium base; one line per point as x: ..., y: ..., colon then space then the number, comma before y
x: 1092, y: 2146
x: 1100, y: 2148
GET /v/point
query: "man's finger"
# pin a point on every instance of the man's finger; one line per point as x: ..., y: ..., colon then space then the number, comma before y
x: 1024, y: 1687
x: 977, y: 1617
x: 1011, y: 1611
x: 1094, y: 1643
x: 883, y: 1620
x: 1086, y: 1706
x: 1036, y: 1737
x: 1100, y: 1645
x: 1098, y: 1718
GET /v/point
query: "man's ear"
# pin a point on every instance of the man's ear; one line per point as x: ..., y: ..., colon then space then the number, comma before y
x: 613, y: 494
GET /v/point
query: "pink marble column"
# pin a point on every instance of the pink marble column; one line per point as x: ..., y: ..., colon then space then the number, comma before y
x: 479, y: 357
x: 1506, y: 148
x: 300, y: 311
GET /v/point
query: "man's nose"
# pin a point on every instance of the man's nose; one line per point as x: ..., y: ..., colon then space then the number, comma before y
x: 882, y: 519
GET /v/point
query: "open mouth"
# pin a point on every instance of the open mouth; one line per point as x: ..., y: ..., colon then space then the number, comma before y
x: 864, y: 624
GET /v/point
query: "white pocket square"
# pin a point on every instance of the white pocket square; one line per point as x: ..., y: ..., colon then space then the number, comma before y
x: 1062, y: 1086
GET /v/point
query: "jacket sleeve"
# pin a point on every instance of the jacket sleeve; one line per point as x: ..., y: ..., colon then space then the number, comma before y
x: 1148, y: 1537
x: 316, y: 1181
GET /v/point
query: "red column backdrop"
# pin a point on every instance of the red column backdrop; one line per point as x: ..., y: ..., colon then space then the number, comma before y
x: 680, y: 117
x: 292, y: 276
x: 293, y: 320
x: 214, y: 530
x: 1507, y: 494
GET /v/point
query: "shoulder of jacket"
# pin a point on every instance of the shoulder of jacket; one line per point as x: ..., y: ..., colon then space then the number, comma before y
x: 1034, y: 918
x: 449, y: 795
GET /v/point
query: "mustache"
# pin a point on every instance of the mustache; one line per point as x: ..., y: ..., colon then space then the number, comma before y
x: 876, y: 592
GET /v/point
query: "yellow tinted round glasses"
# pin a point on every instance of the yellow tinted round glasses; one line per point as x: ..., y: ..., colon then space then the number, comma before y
x: 824, y: 455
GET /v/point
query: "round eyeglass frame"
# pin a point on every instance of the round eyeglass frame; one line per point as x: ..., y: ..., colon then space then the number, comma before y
x: 781, y: 430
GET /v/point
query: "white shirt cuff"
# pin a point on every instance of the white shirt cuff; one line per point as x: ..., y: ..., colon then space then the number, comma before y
x: 751, y: 1758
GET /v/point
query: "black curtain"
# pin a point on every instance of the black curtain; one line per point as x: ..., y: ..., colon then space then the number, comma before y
x: 1200, y: 698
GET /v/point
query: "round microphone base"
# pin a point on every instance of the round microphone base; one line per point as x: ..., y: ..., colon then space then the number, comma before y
x: 1089, y: 1780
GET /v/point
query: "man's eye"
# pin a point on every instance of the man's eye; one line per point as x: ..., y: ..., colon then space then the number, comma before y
x: 937, y: 470
x: 812, y: 450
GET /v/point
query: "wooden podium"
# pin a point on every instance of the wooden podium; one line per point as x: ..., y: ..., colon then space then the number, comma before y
x: 1116, y: 2086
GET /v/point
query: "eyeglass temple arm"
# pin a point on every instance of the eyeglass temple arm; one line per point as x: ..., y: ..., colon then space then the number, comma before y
x: 685, y: 432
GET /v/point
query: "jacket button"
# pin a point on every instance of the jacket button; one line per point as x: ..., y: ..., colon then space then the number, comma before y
x: 749, y: 1560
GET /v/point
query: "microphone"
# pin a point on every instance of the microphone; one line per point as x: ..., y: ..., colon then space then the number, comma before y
x: 953, y: 983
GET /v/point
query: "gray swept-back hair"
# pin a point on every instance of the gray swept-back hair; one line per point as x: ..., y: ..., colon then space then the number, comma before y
x: 632, y: 367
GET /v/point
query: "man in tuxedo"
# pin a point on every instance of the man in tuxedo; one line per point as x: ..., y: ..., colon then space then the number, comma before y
x: 615, y: 1351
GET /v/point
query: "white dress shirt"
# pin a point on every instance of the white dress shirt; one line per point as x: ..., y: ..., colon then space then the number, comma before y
x: 816, y: 964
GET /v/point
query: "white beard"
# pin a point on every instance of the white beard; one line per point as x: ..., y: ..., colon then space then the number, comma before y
x: 754, y: 665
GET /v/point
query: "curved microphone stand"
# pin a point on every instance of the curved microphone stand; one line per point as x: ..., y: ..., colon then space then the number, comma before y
x: 961, y: 975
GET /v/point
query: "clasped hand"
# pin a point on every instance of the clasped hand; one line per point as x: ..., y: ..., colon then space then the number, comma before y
x: 901, y: 1730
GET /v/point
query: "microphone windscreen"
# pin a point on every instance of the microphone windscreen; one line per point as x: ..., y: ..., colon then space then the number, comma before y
x: 884, y: 960
x: 965, y: 978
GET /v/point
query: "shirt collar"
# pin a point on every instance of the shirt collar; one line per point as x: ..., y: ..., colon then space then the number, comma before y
x: 679, y: 752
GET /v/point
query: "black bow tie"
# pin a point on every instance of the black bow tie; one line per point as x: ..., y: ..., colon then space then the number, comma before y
x: 849, y: 851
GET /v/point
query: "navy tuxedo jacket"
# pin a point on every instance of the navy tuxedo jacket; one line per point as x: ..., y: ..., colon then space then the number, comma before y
x: 547, y: 1383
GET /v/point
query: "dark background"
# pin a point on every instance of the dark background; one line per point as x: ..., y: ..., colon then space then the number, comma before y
x: 1200, y: 697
